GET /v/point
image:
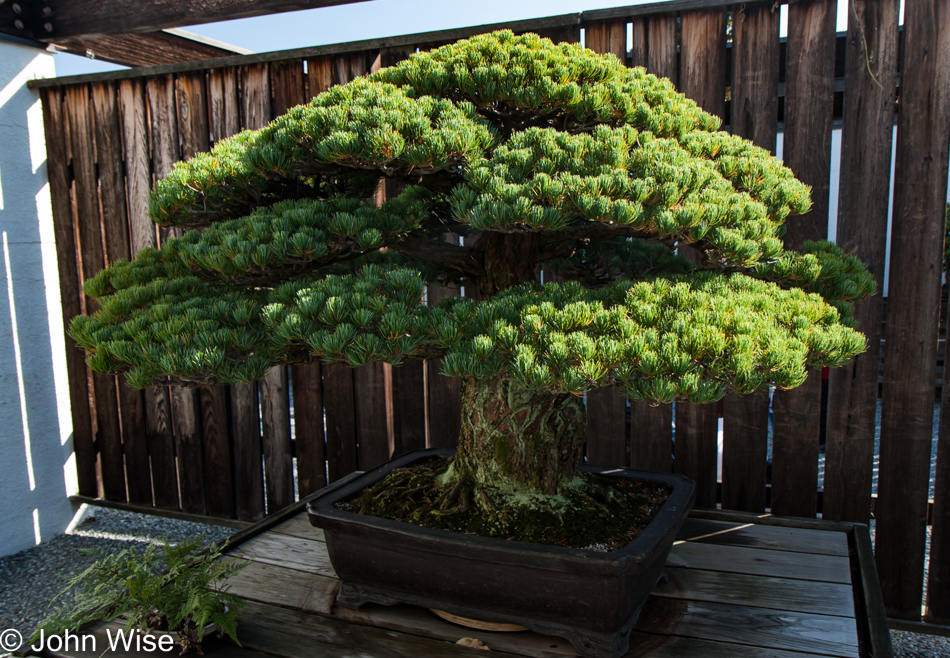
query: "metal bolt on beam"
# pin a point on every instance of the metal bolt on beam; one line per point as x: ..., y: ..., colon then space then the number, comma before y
x: 17, y: 9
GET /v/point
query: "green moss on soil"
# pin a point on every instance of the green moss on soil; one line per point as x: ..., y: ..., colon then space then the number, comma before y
x: 597, y: 513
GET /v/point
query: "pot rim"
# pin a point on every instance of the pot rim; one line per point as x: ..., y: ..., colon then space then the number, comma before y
x: 682, y: 495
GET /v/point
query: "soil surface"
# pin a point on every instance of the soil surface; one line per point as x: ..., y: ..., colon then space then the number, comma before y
x: 595, y: 513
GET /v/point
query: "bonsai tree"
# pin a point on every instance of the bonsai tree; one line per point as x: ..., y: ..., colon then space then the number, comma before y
x: 541, y: 156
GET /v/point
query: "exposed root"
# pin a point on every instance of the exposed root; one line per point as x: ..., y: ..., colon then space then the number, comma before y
x: 599, y: 513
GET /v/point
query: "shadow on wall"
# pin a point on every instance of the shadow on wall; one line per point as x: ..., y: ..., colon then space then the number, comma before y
x: 35, y: 428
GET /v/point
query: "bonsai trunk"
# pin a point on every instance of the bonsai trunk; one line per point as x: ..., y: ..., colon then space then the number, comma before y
x: 517, y: 438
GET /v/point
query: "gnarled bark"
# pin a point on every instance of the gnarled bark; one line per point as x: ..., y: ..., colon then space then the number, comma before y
x: 517, y: 438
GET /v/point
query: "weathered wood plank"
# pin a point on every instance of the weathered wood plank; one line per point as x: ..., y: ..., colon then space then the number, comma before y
x: 86, y: 194
x: 703, y: 59
x: 189, y: 449
x: 54, y: 123
x: 287, y: 551
x: 663, y: 646
x: 255, y: 96
x: 246, y: 435
x: 289, y: 633
x: 339, y: 401
x: 862, y: 231
x: 299, y: 526
x: 809, y: 101
x: 276, y: 585
x: 651, y: 436
x: 831, y: 599
x: 224, y: 108
x: 409, y: 411
x: 744, y: 451
x: 757, y: 562
x: 373, y: 415
x: 307, y: 386
x: 444, y: 404
x: 606, y: 427
x: 917, y: 231
x: 696, y: 448
x: 759, y: 627
x: 607, y: 37
x: 275, y: 431
x: 661, y: 47
x: 218, y: 474
x: 769, y: 537
x: 287, y: 85
x: 638, y: 48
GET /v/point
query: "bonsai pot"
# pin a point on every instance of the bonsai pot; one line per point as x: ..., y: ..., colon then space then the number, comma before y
x: 590, y: 598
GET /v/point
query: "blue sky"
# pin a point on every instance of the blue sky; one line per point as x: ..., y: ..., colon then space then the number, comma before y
x: 367, y: 20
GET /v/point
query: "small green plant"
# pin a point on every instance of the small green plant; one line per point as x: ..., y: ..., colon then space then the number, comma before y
x: 180, y: 589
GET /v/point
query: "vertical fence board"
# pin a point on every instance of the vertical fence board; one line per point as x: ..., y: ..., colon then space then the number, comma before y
x: 246, y: 429
x: 607, y: 407
x: 108, y: 429
x: 219, y: 487
x: 287, y: 85
x: 651, y: 436
x: 638, y: 48
x: 755, y: 51
x: 661, y: 47
x: 409, y: 411
x: 938, y: 583
x: 307, y: 386
x: 607, y: 37
x: 809, y: 100
x: 445, y: 410
x: 370, y: 387
x: 115, y: 228
x: 696, y: 449
x: 275, y: 425
x: 866, y: 137
x: 339, y: 404
x: 917, y: 231
x: 703, y: 79
x: 224, y: 120
x: 190, y: 435
x: 606, y: 427
x: 54, y: 123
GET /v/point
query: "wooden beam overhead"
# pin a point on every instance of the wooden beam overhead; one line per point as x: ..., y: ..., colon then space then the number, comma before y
x: 148, y: 49
x: 54, y: 21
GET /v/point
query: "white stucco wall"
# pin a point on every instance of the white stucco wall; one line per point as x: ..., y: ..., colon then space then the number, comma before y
x: 36, y: 468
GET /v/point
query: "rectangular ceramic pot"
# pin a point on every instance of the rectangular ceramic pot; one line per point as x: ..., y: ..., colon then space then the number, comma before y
x: 588, y: 597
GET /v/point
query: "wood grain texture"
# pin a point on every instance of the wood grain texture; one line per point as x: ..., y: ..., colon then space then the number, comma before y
x: 755, y: 562
x: 869, y: 107
x: 287, y: 85
x: 917, y: 230
x: 444, y: 405
x: 409, y: 407
x: 219, y: 466
x: 81, y: 121
x: 161, y: 447
x: 744, y: 451
x: 246, y: 437
x: 809, y: 100
x: 54, y: 123
x: 146, y: 49
x: 224, y: 108
x: 767, y: 537
x: 373, y: 414
x: 310, y: 448
x: 755, y: 59
x: 255, y: 96
x: 339, y: 403
x: 661, y: 47
x: 607, y: 427
x: 275, y: 432
x: 651, y: 436
x: 287, y: 551
x: 189, y: 449
x: 638, y: 48
x: 607, y: 37
x: 277, y: 585
x: 703, y: 59
x: 696, y: 448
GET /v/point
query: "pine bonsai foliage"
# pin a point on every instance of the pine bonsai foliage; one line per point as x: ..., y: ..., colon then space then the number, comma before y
x: 541, y: 156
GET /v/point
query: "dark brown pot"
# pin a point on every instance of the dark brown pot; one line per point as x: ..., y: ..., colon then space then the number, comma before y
x: 592, y: 599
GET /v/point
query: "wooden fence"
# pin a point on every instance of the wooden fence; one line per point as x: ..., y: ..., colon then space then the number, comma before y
x: 230, y: 451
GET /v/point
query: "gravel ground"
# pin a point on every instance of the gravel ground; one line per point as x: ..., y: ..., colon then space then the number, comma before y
x: 30, y: 579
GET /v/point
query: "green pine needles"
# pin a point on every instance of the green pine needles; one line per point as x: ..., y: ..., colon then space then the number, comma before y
x: 532, y: 156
